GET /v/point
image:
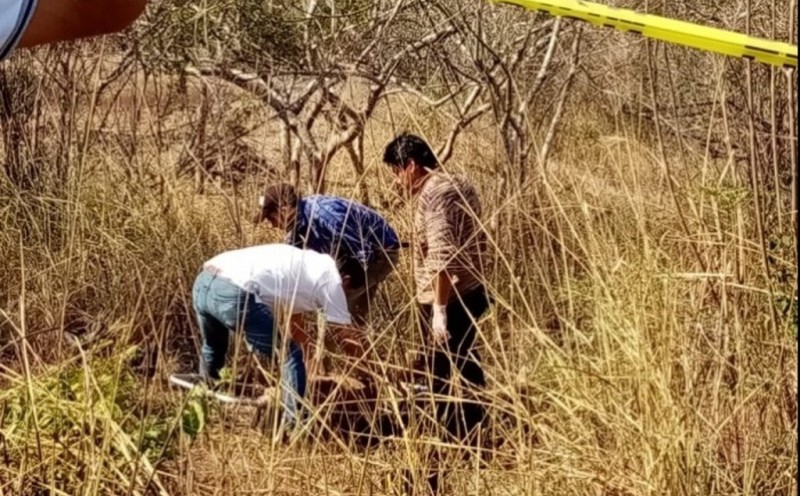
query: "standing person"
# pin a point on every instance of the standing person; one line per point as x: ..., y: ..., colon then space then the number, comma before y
x: 363, y: 243
x: 28, y: 23
x: 449, y: 247
x: 243, y: 289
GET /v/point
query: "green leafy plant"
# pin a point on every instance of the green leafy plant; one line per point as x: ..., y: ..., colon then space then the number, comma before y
x: 195, y: 413
x: 93, y: 407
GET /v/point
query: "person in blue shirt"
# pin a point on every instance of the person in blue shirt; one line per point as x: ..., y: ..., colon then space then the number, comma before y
x: 364, y: 245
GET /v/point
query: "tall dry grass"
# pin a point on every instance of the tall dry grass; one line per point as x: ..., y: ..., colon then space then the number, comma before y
x: 640, y: 342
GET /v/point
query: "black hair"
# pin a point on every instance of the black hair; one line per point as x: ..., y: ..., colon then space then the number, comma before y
x: 355, y: 270
x: 279, y: 195
x: 275, y: 197
x: 408, y: 146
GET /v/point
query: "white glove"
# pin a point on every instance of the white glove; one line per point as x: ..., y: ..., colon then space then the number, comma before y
x: 440, y: 334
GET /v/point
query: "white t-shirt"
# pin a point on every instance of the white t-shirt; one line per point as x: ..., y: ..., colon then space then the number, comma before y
x: 282, y: 275
x: 14, y: 18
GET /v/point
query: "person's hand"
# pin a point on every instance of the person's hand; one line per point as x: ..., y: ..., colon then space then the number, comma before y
x: 316, y: 366
x: 440, y: 333
x: 350, y: 340
x: 297, y: 329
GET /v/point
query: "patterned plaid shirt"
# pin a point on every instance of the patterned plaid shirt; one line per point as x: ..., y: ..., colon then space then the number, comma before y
x: 448, y: 235
x: 341, y: 228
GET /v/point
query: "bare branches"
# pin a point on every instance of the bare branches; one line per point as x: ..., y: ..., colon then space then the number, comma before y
x: 320, y: 93
x: 379, y: 29
x: 542, y: 74
x: 467, y: 118
x: 473, y: 67
x: 503, y: 66
x: 551, y: 132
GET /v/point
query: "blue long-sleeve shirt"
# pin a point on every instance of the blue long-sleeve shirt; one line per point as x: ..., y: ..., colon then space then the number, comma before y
x: 341, y: 228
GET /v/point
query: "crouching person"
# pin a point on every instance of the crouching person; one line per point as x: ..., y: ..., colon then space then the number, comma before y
x: 243, y: 289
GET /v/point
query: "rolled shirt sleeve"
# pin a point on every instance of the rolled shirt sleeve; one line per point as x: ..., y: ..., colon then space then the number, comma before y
x: 440, y: 225
x: 333, y: 302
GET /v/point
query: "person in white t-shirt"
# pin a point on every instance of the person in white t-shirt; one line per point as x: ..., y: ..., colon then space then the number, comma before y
x: 242, y: 289
x: 28, y: 23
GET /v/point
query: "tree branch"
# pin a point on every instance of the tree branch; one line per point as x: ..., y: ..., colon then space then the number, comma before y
x: 551, y: 132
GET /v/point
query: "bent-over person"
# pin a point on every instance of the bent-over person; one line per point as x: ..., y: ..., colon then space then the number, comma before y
x: 244, y: 289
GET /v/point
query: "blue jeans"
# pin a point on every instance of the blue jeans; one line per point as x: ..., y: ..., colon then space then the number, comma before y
x: 221, y: 307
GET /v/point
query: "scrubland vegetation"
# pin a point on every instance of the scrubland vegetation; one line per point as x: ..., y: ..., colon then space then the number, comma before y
x: 640, y: 201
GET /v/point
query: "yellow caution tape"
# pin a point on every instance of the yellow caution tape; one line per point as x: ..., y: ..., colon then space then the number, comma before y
x: 670, y: 30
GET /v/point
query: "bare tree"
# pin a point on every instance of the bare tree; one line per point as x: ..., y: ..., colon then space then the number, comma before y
x: 317, y: 118
x: 518, y: 76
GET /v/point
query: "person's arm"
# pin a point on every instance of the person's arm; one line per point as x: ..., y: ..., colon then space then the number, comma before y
x: 442, y: 287
x: 298, y: 330
x: 64, y: 20
x: 442, y: 248
x: 307, y: 345
x: 350, y: 339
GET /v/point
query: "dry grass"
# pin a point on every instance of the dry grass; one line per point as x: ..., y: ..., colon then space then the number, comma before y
x: 628, y: 352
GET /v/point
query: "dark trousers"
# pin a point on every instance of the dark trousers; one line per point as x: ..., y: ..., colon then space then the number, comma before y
x: 459, y: 416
